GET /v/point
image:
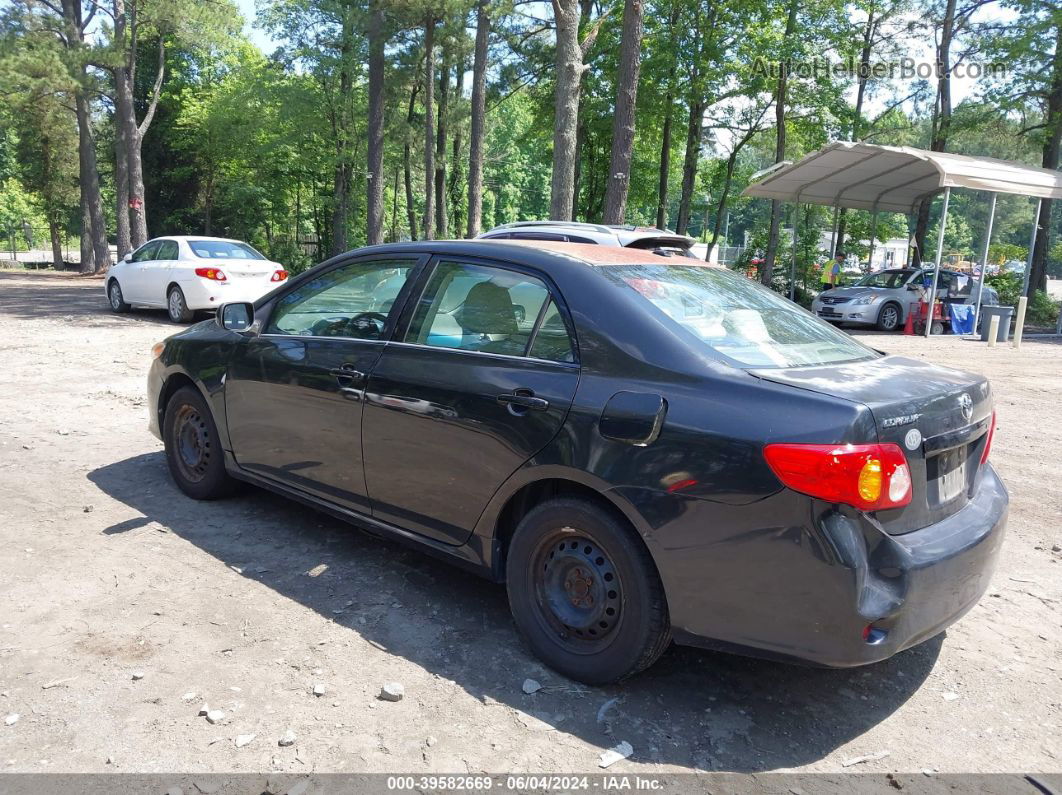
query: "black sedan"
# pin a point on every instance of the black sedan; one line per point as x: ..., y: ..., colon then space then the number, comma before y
x: 642, y: 448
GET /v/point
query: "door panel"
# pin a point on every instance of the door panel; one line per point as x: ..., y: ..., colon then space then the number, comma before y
x: 449, y: 415
x: 293, y: 395
x: 292, y: 419
x: 156, y: 272
x: 135, y: 286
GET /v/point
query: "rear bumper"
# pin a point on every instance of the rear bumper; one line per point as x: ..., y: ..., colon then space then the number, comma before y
x: 807, y: 593
x: 202, y: 294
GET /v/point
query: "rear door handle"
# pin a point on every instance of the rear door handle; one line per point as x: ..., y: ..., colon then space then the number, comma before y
x: 523, y: 399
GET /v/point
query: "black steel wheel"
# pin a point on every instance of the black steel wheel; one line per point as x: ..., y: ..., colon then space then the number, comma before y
x: 115, y: 298
x: 584, y: 592
x: 193, y: 450
x: 889, y: 318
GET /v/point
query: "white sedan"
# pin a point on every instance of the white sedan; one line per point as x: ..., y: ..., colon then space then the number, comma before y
x: 186, y: 274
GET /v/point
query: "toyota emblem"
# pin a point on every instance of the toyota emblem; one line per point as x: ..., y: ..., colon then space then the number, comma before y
x: 966, y: 406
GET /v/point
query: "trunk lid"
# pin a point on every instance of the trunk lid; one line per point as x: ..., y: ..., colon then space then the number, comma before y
x: 938, y: 416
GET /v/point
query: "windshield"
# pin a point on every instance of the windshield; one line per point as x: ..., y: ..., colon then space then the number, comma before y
x: 890, y: 280
x: 746, y: 323
x: 222, y: 249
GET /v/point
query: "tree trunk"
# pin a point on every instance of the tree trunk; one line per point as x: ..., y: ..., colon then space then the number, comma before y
x: 407, y: 157
x: 374, y: 210
x: 779, y: 145
x: 665, y: 166
x: 55, y: 233
x: 479, y: 113
x: 454, y: 189
x: 619, y: 169
x: 689, y: 164
x: 87, y: 263
x: 121, y: 189
x: 568, y: 69
x: 343, y: 171
x: 89, y: 182
x: 429, y: 128
x: 441, y: 220
x: 721, y: 209
x: 1042, y: 241
x: 941, y: 118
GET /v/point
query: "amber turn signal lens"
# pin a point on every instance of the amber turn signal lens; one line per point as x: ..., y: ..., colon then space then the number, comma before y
x: 157, y: 349
x: 869, y: 483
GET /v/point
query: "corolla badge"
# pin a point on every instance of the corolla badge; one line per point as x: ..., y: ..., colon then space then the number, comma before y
x: 966, y: 406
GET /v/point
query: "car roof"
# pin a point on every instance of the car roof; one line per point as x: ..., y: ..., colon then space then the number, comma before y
x: 623, y: 234
x: 200, y: 238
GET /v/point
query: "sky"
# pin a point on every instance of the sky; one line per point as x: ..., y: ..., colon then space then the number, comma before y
x: 259, y: 37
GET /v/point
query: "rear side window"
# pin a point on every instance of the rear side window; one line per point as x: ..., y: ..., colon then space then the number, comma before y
x: 167, y: 250
x: 490, y: 310
x: 551, y: 341
x: 744, y: 322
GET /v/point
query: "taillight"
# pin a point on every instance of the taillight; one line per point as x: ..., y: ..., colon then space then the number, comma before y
x: 213, y: 274
x: 988, y: 439
x: 870, y: 477
x: 279, y: 276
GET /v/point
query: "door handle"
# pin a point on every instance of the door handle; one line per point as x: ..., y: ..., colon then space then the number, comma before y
x: 346, y: 374
x: 523, y: 399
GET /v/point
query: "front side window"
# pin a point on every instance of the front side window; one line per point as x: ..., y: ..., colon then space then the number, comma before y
x: 146, y: 252
x: 350, y: 301
x: 742, y: 321
x: 222, y: 249
x: 477, y: 308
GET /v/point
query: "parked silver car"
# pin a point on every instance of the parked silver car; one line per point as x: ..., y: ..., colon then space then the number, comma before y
x: 882, y: 299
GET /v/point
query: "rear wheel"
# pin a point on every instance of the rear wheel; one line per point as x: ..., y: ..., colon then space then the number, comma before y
x: 115, y: 297
x: 193, y: 448
x: 584, y: 592
x: 889, y: 318
x: 177, y: 307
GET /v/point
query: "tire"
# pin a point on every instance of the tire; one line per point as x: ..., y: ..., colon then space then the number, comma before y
x: 115, y: 298
x: 889, y: 318
x: 193, y: 448
x: 938, y: 327
x: 177, y: 307
x: 584, y: 592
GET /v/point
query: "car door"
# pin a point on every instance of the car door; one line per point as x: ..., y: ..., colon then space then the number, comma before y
x: 135, y: 286
x: 480, y: 377
x: 157, y: 272
x: 293, y: 393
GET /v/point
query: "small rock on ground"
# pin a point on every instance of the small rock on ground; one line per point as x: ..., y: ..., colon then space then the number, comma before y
x: 11, y: 719
x: 244, y: 739
x: 615, y: 754
x: 531, y: 686
x: 287, y: 739
x: 215, y: 716
x: 319, y: 689
x: 392, y: 691
x: 137, y: 675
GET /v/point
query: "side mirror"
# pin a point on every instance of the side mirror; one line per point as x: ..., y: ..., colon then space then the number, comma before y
x: 128, y: 257
x: 912, y: 286
x: 237, y: 316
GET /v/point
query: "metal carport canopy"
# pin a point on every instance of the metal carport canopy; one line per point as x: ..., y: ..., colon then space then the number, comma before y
x: 896, y: 178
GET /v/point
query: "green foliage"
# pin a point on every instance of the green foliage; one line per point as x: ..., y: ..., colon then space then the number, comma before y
x: 1008, y: 285
x: 1042, y: 309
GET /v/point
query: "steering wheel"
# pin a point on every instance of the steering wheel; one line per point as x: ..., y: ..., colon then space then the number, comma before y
x: 367, y: 325
x: 364, y: 325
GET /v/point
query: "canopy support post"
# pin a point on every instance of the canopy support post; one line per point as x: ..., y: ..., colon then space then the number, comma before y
x: 873, y: 235
x: 936, y: 268
x: 910, y: 242
x: 1032, y: 245
x: 984, y: 262
x: 833, y: 233
x: 793, y: 259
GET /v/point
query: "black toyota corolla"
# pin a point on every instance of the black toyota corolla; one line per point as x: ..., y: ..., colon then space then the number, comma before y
x: 642, y: 448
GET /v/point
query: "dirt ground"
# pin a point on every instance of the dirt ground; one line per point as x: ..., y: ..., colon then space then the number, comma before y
x: 126, y: 606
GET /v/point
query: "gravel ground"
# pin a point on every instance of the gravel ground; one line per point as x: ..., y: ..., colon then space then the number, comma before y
x: 126, y: 607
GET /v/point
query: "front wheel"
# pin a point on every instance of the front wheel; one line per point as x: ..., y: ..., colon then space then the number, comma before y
x: 889, y: 318
x: 115, y: 297
x: 584, y: 592
x: 193, y: 448
x: 177, y: 307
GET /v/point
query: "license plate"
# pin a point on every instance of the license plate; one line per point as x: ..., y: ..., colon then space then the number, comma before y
x: 829, y: 313
x: 952, y: 481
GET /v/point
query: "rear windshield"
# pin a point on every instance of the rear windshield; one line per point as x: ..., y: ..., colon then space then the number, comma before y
x: 744, y: 322
x: 222, y: 249
x: 887, y: 279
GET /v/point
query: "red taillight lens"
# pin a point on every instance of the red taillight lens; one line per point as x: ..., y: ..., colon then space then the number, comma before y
x: 870, y: 477
x: 988, y: 439
x: 213, y: 274
x: 279, y: 276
